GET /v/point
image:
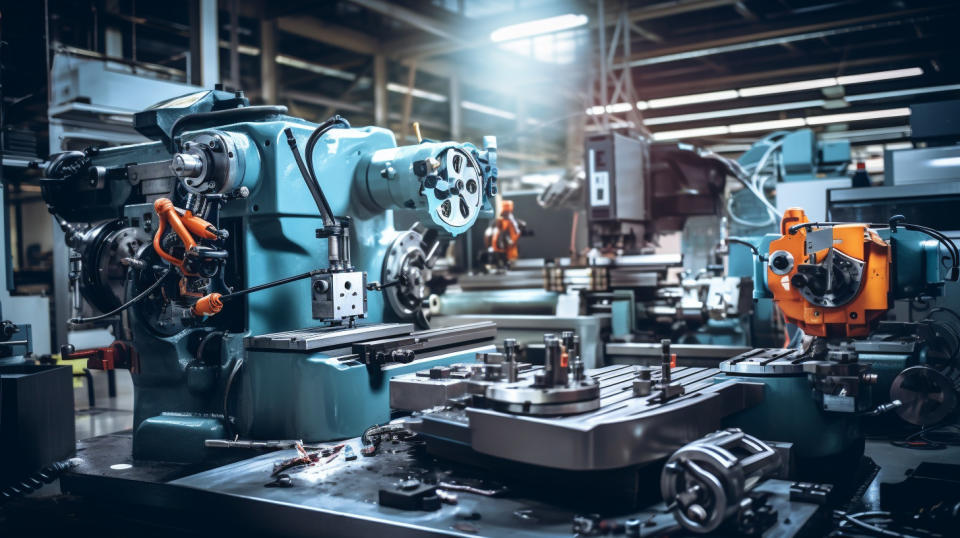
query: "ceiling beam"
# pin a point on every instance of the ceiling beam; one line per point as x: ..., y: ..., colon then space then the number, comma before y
x: 337, y: 36
x: 408, y: 16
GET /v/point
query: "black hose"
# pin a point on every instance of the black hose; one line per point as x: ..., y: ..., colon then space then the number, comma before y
x: 124, y: 306
x: 259, y: 287
x: 936, y: 234
x: 36, y: 480
x: 756, y: 252
x: 219, y: 116
x: 227, y: 424
x: 322, y: 129
x: 326, y: 214
x: 201, y: 347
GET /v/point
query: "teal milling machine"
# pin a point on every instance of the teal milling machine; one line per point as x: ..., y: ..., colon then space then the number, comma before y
x: 836, y: 282
x: 249, y: 245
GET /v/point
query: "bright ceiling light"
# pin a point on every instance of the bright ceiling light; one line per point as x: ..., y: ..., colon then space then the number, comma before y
x: 422, y: 94
x: 489, y: 110
x: 538, y: 27
x: 691, y: 133
x: 693, y: 99
x: 788, y: 87
x: 610, y: 109
x: 745, y: 111
x: 771, y: 125
x: 880, y: 75
x: 858, y: 116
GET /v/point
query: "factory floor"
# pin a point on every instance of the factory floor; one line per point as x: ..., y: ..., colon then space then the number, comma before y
x: 107, y: 415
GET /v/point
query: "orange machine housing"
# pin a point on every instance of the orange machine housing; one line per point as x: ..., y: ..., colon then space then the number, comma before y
x: 853, y: 319
x: 505, y: 233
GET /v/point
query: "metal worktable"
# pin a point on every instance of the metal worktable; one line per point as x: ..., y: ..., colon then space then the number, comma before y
x: 339, y: 498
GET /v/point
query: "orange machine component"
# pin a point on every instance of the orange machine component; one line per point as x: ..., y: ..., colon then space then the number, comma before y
x: 186, y: 227
x: 504, y: 233
x: 829, y: 281
x: 207, y: 305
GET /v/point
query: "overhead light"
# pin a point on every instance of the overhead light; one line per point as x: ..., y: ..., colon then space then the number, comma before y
x: 858, y: 116
x: 788, y: 87
x: 880, y: 75
x: 800, y: 85
x: 693, y: 99
x: 789, y: 123
x: 610, y: 109
x: 691, y: 133
x: 745, y: 111
x: 422, y: 94
x: 484, y: 109
x: 538, y: 27
x: 766, y: 125
x: 297, y: 63
x: 795, y: 105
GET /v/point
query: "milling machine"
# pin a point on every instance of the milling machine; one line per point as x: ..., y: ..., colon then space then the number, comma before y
x: 239, y: 252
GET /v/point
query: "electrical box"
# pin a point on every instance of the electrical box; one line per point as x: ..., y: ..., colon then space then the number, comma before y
x: 617, y: 167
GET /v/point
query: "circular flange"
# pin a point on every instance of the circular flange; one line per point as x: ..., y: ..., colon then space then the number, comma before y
x: 464, y: 183
x: 524, y: 393
x: 927, y: 395
x: 406, y: 260
x: 103, y: 274
x: 781, y: 262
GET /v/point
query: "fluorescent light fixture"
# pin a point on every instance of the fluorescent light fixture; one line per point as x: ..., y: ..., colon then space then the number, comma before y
x: 789, y: 123
x: 642, y: 105
x: 771, y: 125
x: 619, y: 107
x: 611, y: 109
x: 423, y: 94
x: 680, y: 118
x: 691, y: 133
x: 880, y: 75
x: 489, y: 110
x: 693, y: 99
x: 858, y: 116
x: 297, y: 63
x: 538, y: 27
x: 788, y: 87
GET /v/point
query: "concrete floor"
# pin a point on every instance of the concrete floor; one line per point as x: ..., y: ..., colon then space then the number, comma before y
x: 108, y: 414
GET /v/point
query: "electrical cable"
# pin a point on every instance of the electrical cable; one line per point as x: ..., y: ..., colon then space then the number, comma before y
x: 754, y: 249
x: 322, y: 129
x: 227, y: 425
x: 326, y: 214
x: 854, y: 519
x: 124, y: 306
x: 279, y: 282
x: 936, y: 234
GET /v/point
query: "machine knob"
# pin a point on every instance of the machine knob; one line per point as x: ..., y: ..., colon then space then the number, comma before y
x: 187, y: 165
x: 799, y: 281
x: 781, y: 262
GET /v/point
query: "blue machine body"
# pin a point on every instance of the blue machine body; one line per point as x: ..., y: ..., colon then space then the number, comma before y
x: 314, y: 396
